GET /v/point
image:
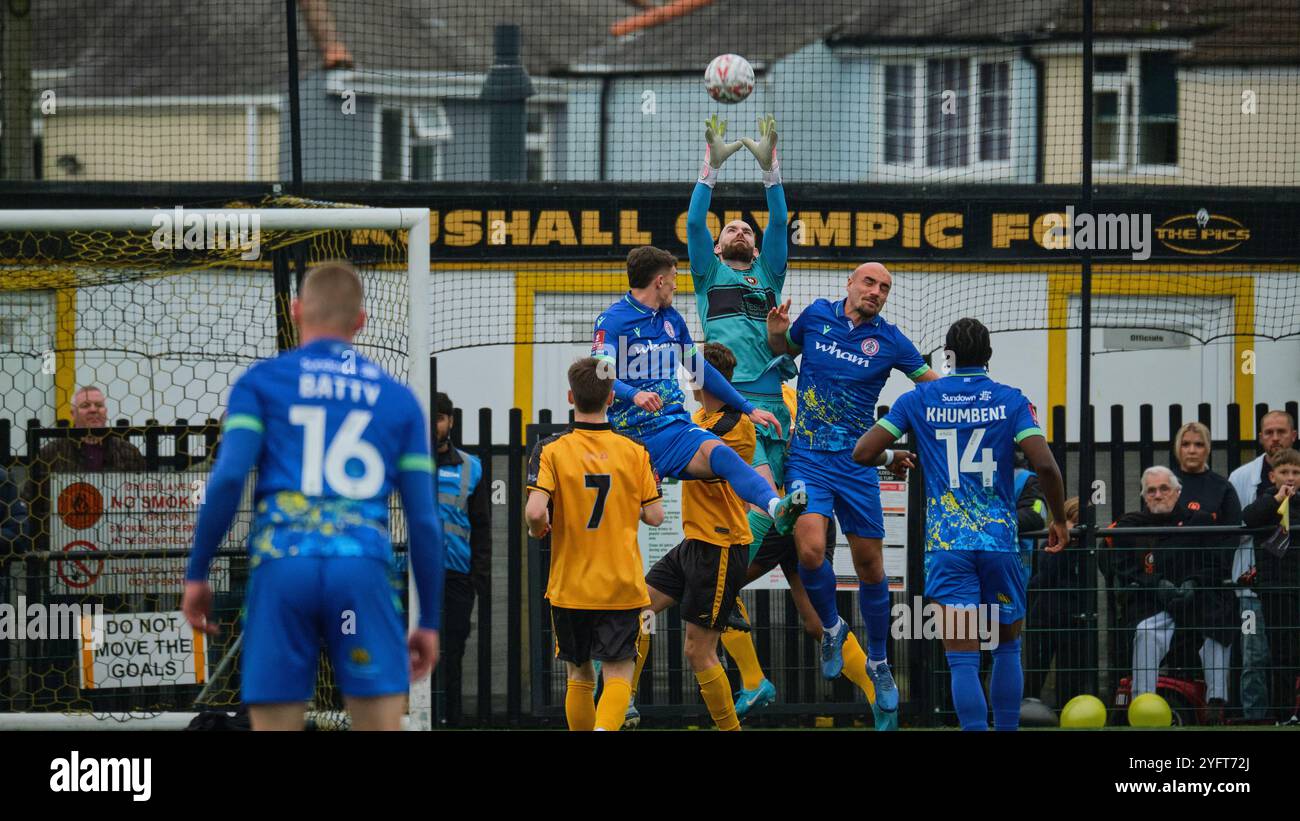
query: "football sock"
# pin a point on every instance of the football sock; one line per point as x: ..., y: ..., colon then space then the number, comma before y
x: 820, y: 584
x: 967, y: 693
x: 748, y: 484
x: 642, y: 653
x: 580, y: 704
x: 873, y: 601
x: 613, y: 703
x: 1007, y: 686
x: 717, y: 697
x: 740, y: 646
x: 855, y: 666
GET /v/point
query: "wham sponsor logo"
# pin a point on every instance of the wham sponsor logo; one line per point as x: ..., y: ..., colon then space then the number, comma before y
x: 834, y: 350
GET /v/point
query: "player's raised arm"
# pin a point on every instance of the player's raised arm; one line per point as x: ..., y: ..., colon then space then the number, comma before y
x: 776, y: 243
x: 241, y: 446
x: 699, y: 241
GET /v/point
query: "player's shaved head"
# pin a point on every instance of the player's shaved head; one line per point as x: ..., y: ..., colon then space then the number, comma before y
x: 868, y: 289
x: 875, y: 270
x: 330, y: 300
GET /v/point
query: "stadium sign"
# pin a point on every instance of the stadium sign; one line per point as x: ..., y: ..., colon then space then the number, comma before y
x: 128, y: 512
x: 964, y: 229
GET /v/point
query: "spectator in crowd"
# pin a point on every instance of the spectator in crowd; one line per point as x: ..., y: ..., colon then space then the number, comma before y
x: 85, y: 453
x: 1054, y: 606
x: 464, y: 503
x: 13, y: 527
x: 1209, y: 492
x: 1166, y: 579
x: 1277, y: 432
x: 1276, y: 578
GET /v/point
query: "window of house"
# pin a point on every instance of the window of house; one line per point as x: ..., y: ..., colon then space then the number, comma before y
x: 412, y: 141
x: 949, y: 112
x: 542, y: 143
x: 1135, y: 110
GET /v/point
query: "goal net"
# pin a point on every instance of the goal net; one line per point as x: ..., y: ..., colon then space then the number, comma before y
x: 157, y: 312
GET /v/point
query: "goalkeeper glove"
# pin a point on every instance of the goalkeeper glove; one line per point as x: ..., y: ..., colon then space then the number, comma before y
x: 716, y: 151
x: 765, y: 150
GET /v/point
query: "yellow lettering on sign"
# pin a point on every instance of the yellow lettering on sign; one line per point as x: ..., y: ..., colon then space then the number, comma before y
x: 944, y: 230
x: 875, y: 226
x: 463, y: 228
x: 1008, y: 227
x: 732, y: 216
x: 710, y: 219
x: 554, y: 226
x: 516, y: 228
x: 911, y: 230
x: 760, y: 219
x: 591, y: 233
x: 1046, y: 224
x: 628, y: 233
x: 836, y: 229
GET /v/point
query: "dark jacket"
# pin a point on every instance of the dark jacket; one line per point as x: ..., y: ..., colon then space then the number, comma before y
x: 13, y: 519
x: 1142, y: 569
x: 72, y: 455
x: 1273, y: 574
x: 1208, y: 492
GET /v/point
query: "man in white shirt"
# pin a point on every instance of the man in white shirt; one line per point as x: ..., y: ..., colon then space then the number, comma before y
x: 1277, y: 431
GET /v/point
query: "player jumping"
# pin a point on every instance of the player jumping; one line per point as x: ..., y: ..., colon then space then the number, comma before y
x: 735, y: 287
x: 331, y: 436
x: 966, y: 427
x: 848, y: 351
x: 706, y: 571
x: 642, y: 340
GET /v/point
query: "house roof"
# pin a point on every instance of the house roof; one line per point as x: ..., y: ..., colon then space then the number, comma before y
x: 113, y: 48
x: 1221, y: 31
x: 116, y: 48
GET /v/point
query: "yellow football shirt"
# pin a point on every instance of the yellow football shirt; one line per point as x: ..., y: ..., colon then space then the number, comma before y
x: 598, y: 481
x: 711, y: 510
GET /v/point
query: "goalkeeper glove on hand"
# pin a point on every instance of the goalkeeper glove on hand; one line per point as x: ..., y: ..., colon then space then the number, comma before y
x: 765, y: 150
x: 716, y: 151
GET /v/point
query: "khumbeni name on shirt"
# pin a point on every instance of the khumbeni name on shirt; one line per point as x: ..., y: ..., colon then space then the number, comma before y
x: 959, y: 416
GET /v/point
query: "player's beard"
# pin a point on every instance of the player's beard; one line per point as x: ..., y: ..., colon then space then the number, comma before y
x: 739, y: 252
x: 867, y: 312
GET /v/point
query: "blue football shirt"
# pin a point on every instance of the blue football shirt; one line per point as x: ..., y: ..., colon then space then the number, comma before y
x: 645, y: 346
x: 966, y: 430
x: 337, y: 429
x: 843, y: 369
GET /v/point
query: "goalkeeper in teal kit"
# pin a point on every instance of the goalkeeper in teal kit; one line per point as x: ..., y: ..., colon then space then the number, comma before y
x: 735, y: 287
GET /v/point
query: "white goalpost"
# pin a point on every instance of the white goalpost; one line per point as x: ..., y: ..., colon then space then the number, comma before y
x: 27, y: 281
